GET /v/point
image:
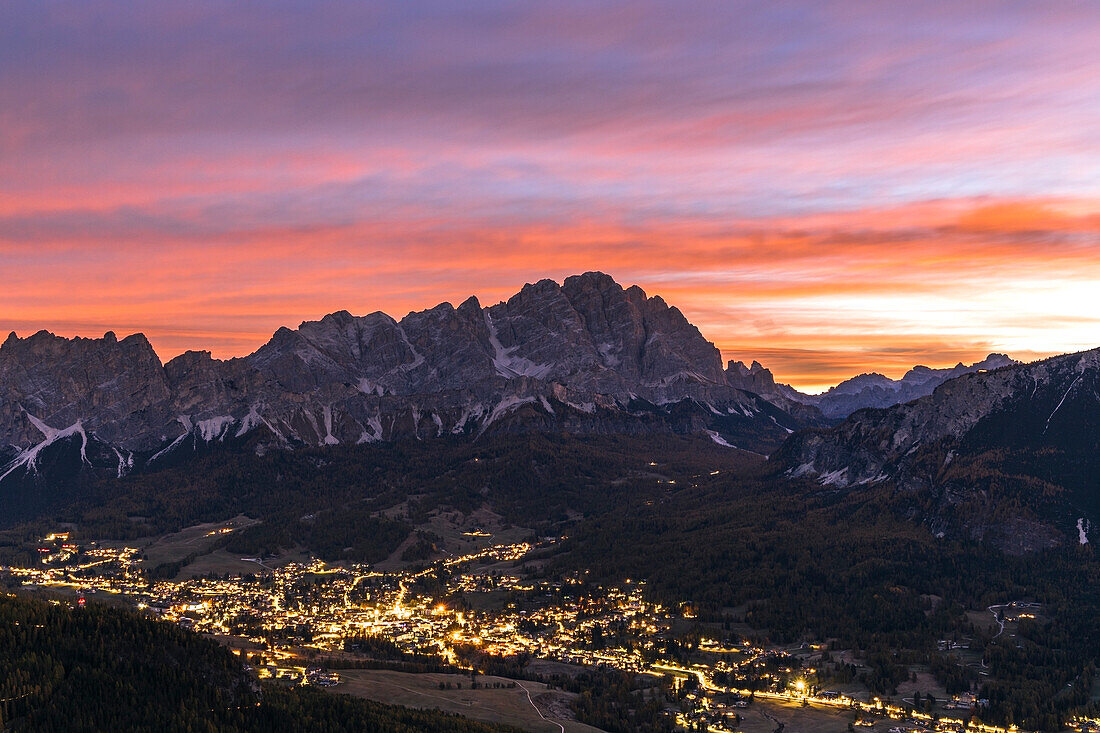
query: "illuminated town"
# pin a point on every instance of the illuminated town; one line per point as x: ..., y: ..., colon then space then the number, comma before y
x: 289, y: 620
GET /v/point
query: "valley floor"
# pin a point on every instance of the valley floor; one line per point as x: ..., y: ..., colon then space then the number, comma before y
x: 528, y: 705
x: 292, y: 620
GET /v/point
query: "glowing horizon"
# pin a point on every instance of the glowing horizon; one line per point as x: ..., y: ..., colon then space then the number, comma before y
x: 827, y: 188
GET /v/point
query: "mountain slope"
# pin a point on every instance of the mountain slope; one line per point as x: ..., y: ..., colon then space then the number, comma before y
x: 1006, y: 455
x: 759, y: 380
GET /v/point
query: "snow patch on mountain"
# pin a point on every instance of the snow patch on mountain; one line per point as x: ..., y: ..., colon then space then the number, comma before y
x: 801, y: 470
x: 29, y: 457
x: 1062, y: 401
x: 329, y: 439
x: 254, y: 419
x: 835, y: 478
x: 474, y: 411
x: 214, y: 427
x: 739, y: 407
x: 418, y: 358
x: 373, y: 434
x: 681, y: 376
x: 789, y: 431
x: 719, y: 439
x: 508, y: 365
x: 506, y: 405
x: 366, y: 386
x: 185, y: 421
x: 124, y: 463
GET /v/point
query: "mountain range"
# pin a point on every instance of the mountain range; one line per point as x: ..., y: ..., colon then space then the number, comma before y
x: 865, y: 390
x: 586, y: 357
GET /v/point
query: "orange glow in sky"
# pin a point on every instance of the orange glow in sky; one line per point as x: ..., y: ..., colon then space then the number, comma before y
x: 828, y: 189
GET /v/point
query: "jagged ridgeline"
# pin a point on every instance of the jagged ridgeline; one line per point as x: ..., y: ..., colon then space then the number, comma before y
x: 586, y: 357
x: 583, y: 359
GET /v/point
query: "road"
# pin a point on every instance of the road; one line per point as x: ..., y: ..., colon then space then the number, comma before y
x: 536, y: 707
x: 998, y: 620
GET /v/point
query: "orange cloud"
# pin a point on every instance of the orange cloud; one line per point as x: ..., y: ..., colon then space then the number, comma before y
x: 817, y: 298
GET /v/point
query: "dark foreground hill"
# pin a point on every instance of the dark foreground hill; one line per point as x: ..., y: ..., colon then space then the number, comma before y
x: 95, y: 669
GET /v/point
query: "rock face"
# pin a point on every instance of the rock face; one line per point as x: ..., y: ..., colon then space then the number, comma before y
x: 119, y: 385
x: 759, y: 380
x: 587, y: 356
x: 1036, y: 426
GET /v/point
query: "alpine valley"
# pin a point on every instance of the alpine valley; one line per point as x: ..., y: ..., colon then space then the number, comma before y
x: 567, y: 492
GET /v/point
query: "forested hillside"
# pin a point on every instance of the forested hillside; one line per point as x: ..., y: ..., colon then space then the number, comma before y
x: 329, y: 499
x: 798, y: 561
x: 99, y: 669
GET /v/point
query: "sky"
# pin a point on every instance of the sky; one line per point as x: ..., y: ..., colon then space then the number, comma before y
x: 827, y: 187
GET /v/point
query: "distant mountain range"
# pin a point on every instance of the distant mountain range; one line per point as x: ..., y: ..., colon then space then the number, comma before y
x: 864, y: 390
x: 598, y: 414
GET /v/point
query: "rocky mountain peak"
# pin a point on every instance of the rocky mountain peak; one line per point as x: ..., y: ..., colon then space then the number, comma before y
x: 338, y: 319
x: 593, y: 280
x: 758, y: 379
x: 877, y: 390
x: 580, y: 355
x: 995, y: 361
x: 738, y: 368
x: 469, y: 305
x: 103, y: 383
